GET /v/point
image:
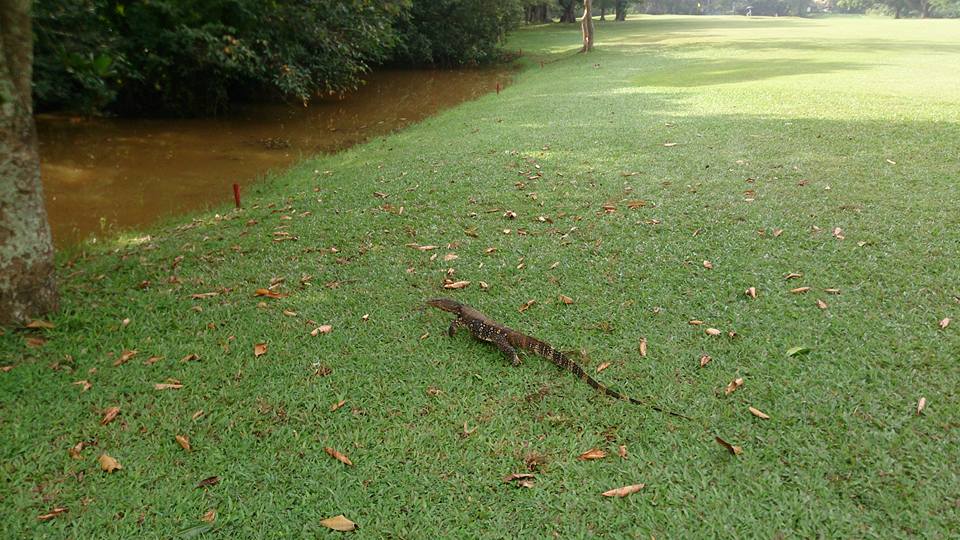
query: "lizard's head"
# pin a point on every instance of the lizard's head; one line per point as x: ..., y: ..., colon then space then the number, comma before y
x: 445, y: 304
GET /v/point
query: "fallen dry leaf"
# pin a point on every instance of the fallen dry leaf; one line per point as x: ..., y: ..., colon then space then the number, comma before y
x: 322, y: 329
x: 832, y: 291
x: 751, y: 292
x: 708, y: 265
x: 35, y: 342
x: 210, y: 516
x: 197, y: 414
x: 821, y: 304
x: 793, y: 275
x: 268, y: 293
x: 921, y: 405
x: 758, y: 413
x: 259, y: 349
x: 705, y: 359
x: 75, y: 450
x: 337, y: 405
x: 643, y: 347
x: 109, y: 415
x: 603, y: 366
x: 125, y: 322
x: 526, y: 305
x: 40, y: 324
x: 622, y: 451
x: 84, y: 385
x: 152, y: 360
x: 124, y: 357
x: 593, y: 453
x: 168, y: 386
x: 183, y: 441
x: 338, y: 456
x: 483, y: 285
x: 517, y: 476
x: 623, y: 491
x: 838, y: 233
x: 735, y: 450
x: 734, y: 384
x: 694, y: 322
x: 339, y: 523
x: 450, y: 257
x: 713, y: 332
x: 456, y: 285
x: 53, y: 513
x: 777, y: 232
x: 669, y: 144
x: 566, y: 299
x: 209, y: 481
x: 108, y: 464
x: 190, y: 357
x: 800, y: 290
x: 944, y: 323
x: 289, y: 313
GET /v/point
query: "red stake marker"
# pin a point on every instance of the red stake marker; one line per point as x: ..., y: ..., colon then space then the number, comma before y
x: 236, y: 194
x: 498, y: 88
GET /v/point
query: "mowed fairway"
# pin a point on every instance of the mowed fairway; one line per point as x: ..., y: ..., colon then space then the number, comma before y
x: 824, y: 147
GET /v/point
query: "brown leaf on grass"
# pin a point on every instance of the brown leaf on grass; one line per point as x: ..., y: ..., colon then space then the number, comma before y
x: 489, y: 250
x: 109, y: 415
x: 517, y: 476
x: 197, y: 414
x: 456, y: 285
x: 705, y: 359
x: 510, y: 214
x: 209, y: 481
x: 708, y: 265
x: 643, y: 347
x: 793, y: 275
x: 622, y: 451
x: 800, y: 290
x: 832, y: 291
x: 53, y: 513
x: 566, y: 299
x: 944, y: 323
x: 322, y: 329
x: 603, y: 366
x: 838, y: 233
x: 338, y: 456
x: 6, y: 369
x: 201, y: 296
x: 751, y: 292
x: 289, y: 313
x: 450, y: 257
x: 190, y: 357
x: 593, y: 453
x: 758, y: 413
x: 183, y: 441
x: 623, y: 491
x: 172, y: 384
x: 339, y: 523
x: 259, y: 349
x: 483, y: 285
x: 669, y: 144
x: 694, y: 322
x: 712, y: 332
x: 268, y: 293
x: 921, y: 405
x: 84, y: 385
x: 152, y: 360
x: 38, y: 324
x: 637, y: 204
x: 734, y: 384
x: 34, y: 342
x: 108, y: 464
x: 526, y: 305
x: 337, y: 405
x: 467, y: 431
x: 75, y: 450
x: 735, y: 450
x: 210, y: 516
x: 124, y: 357
x: 777, y: 232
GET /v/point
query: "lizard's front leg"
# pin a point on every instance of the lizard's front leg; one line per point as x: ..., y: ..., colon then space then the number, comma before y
x: 454, y: 325
x: 507, y: 350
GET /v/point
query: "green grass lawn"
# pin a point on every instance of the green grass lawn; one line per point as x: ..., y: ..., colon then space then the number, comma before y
x: 729, y: 129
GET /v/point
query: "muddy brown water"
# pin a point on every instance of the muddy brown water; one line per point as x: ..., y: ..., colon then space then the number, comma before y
x: 102, y: 175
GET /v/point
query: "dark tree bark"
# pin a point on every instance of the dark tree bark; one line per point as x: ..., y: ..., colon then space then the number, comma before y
x: 536, y: 14
x: 621, y: 10
x: 586, y: 26
x: 568, y: 16
x: 603, y: 13
x: 27, y: 287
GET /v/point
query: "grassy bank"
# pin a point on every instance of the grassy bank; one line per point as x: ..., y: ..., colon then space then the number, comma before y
x: 823, y: 147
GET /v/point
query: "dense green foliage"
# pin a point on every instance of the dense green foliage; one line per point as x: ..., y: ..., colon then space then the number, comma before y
x: 184, y: 57
x: 727, y: 129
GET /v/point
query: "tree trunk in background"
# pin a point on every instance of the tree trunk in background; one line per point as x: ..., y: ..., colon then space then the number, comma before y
x: 568, y: 15
x: 621, y: 10
x: 586, y: 26
x: 27, y: 288
x: 603, y: 13
x: 536, y: 14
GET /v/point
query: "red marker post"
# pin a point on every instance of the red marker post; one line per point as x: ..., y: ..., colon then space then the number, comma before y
x: 236, y: 194
x: 498, y: 88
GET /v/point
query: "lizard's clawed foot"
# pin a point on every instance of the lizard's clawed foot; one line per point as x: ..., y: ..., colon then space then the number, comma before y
x: 515, y: 361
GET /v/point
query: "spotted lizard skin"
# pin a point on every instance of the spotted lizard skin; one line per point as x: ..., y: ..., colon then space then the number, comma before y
x: 509, y: 341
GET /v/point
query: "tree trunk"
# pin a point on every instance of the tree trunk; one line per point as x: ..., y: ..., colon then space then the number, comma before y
x: 621, y: 10
x: 603, y: 13
x: 896, y: 14
x: 586, y: 26
x: 568, y: 15
x: 27, y: 287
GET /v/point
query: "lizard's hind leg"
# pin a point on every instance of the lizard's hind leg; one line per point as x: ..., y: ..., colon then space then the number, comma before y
x: 454, y: 325
x: 508, y: 351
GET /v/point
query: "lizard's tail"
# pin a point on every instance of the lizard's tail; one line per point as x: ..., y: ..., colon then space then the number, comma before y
x: 563, y: 362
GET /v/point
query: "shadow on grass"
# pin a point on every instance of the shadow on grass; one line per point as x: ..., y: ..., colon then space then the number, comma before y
x: 711, y: 72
